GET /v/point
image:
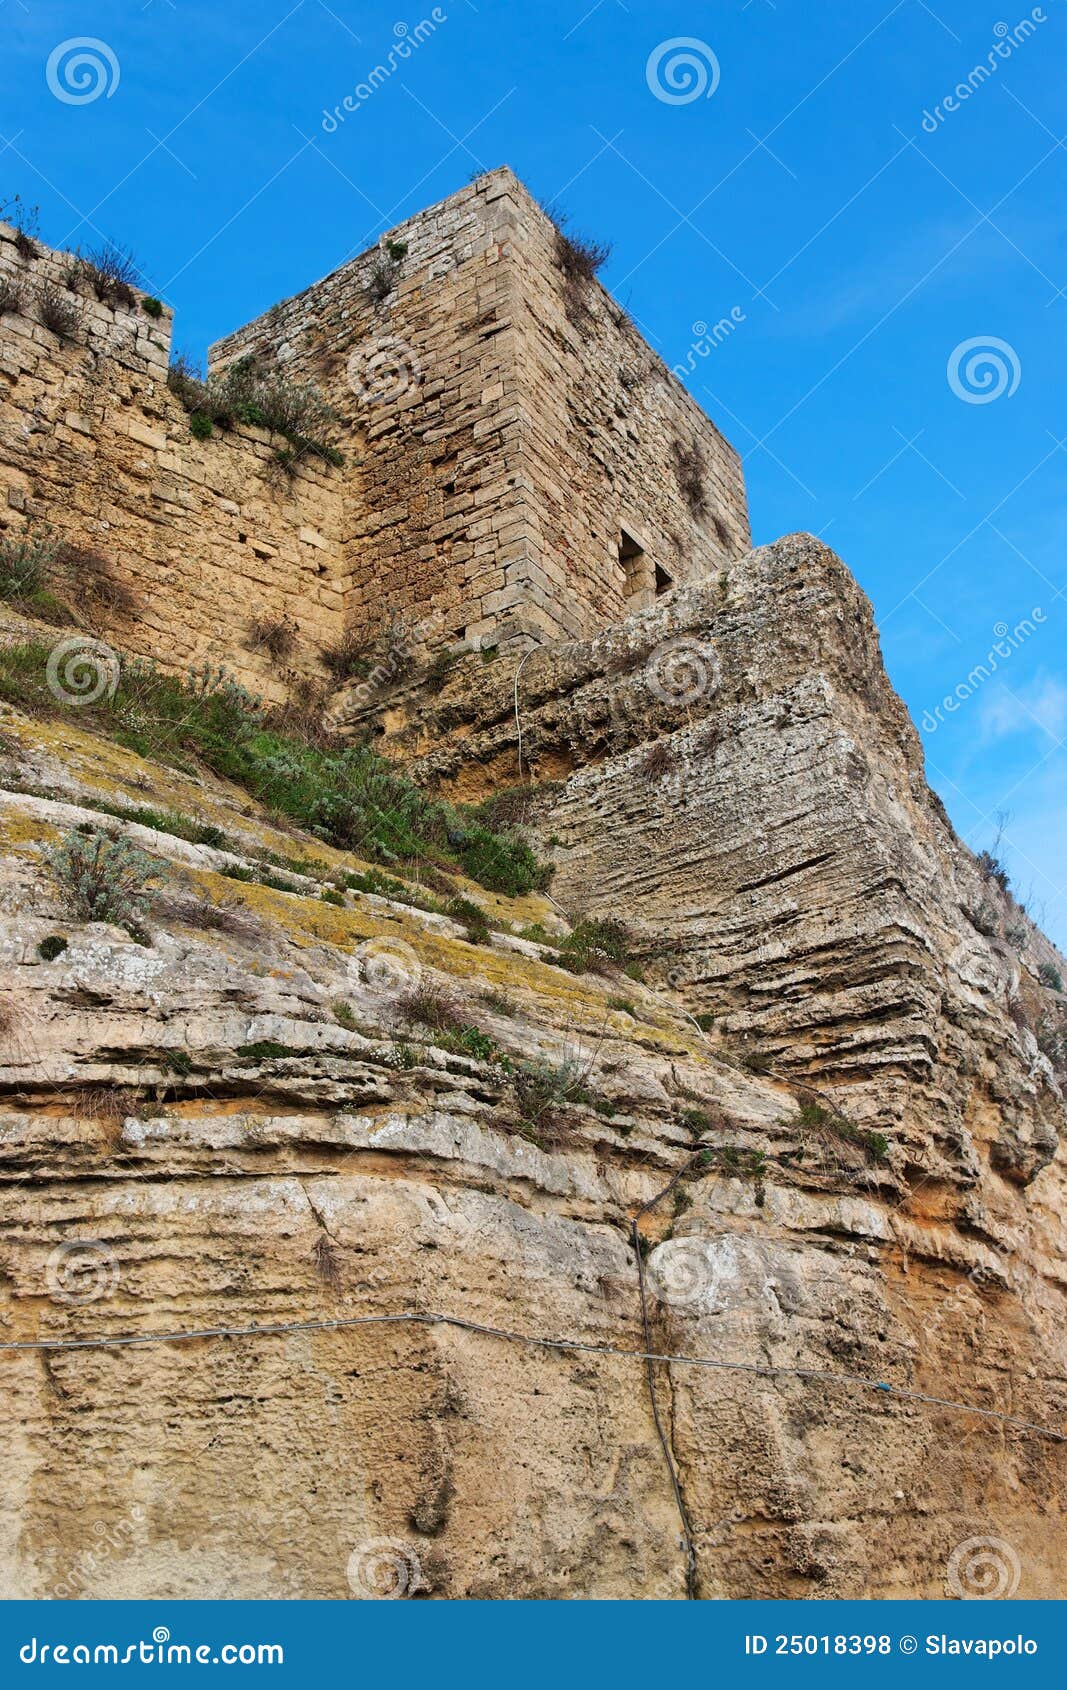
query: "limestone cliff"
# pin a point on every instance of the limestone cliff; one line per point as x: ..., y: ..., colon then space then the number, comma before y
x: 824, y: 1074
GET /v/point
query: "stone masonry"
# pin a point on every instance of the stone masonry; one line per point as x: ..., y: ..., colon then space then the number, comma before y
x: 519, y: 467
x: 526, y: 465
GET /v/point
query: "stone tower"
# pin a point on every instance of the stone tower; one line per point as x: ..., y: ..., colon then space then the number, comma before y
x: 518, y: 466
x: 523, y: 466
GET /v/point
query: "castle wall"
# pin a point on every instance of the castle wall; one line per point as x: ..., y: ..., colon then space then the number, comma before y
x: 504, y: 431
x: 607, y: 431
x: 509, y: 430
x: 424, y: 383
x: 204, y: 535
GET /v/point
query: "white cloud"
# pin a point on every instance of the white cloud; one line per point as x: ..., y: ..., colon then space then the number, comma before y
x: 1041, y: 704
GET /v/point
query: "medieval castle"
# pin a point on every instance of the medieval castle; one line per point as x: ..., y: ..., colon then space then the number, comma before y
x: 515, y: 465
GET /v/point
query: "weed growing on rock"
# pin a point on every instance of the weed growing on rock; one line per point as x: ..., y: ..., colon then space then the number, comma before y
x: 543, y: 1087
x: 25, y: 565
x: 344, y: 794
x: 12, y: 297
x: 111, y: 272
x: 691, y: 472
x: 429, y: 1006
x: 247, y: 392
x: 991, y: 868
x: 579, y: 260
x: 595, y: 943
x: 816, y: 1116
x: 327, y: 1262
x: 472, y: 917
x: 100, y: 878
x: 25, y: 220
x: 276, y: 635
x: 60, y: 314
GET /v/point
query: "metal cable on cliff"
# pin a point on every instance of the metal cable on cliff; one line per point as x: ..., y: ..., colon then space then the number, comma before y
x: 579, y: 1346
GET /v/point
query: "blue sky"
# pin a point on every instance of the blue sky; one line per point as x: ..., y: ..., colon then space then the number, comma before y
x: 807, y: 174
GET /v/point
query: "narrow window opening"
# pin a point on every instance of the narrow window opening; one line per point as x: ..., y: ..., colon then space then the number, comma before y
x: 632, y: 558
x: 663, y: 581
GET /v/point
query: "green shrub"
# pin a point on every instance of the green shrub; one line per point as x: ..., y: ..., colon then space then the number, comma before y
x: 1050, y: 976
x: 816, y: 1116
x: 696, y: 1121
x: 428, y: 1006
x: 152, y: 307
x: 593, y: 943
x: 25, y: 566
x: 101, y: 879
x: 991, y: 868
x: 541, y: 1087
x: 265, y: 1050
x: 472, y: 917
x: 345, y: 795
x: 51, y: 947
x: 168, y: 821
x: 49, y: 577
x: 469, y: 1041
x: 201, y: 427
x: 247, y: 392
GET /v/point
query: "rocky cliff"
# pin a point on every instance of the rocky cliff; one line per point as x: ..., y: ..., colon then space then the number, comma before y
x: 399, y: 1192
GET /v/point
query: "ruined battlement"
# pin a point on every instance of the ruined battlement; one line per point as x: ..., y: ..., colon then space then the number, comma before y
x: 519, y: 466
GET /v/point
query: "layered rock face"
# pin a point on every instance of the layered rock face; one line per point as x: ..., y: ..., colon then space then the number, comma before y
x: 832, y: 1102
